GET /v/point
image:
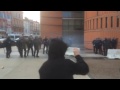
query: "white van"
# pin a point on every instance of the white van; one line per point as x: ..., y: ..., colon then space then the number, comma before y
x: 14, y: 36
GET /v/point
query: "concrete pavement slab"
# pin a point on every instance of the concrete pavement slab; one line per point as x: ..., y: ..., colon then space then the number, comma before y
x: 23, y: 68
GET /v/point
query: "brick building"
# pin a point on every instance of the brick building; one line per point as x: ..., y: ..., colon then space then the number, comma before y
x: 81, y: 27
x: 51, y: 23
x: 101, y: 24
x: 5, y: 22
x: 66, y: 24
x: 36, y: 28
x: 31, y: 27
x: 17, y: 22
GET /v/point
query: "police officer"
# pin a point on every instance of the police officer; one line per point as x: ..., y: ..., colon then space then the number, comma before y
x: 36, y: 43
x: 8, y: 43
x: 40, y: 42
x: 113, y: 43
x: 116, y: 43
x: 22, y: 46
x: 100, y: 46
x: 30, y: 45
x: 45, y: 45
x: 110, y: 43
x: 106, y: 46
x: 94, y: 48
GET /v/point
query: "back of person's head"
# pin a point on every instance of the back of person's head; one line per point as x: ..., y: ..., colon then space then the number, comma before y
x: 57, y: 49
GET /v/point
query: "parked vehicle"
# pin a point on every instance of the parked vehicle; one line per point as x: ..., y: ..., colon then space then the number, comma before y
x: 14, y: 36
x: 1, y: 42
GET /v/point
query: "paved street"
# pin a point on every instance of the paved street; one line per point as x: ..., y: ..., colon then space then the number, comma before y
x: 23, y: 68
x: 27, y: 68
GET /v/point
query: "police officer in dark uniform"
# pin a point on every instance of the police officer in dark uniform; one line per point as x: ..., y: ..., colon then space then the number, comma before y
x: 106, y: 46
x: 94, y: 48
x: 8, y: 43
x: 22, y: 46
x: 110, y: 43
x: 36, y: 43
x: 45, y: 45
x: 40, y: 44
x: 114, y: 43
x: 30, y: 45
x: 100, y: 46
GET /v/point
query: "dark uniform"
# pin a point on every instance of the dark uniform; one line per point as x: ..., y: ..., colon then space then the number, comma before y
x: 46, y: 45
x: 114, y: 43
x: 100, y: 47
x: 36, y: 43
x: 106, y: 46
x: 110, y: 44
x: 94, y: 48
x: 30, y: 46
x: 8, y: 43
x: 40, y: 44
x: 22, y: 45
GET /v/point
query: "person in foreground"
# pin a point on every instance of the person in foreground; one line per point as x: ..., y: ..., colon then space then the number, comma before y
x: 57, y: 67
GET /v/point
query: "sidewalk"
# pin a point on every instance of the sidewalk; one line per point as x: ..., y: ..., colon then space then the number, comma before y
x: 23, y: 68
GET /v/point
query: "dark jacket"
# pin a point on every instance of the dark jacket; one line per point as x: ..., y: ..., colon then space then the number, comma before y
x: 8, y: 43
x: 63, y: 68
x: 30, y: 43
x: 36, y: 43
x: 57, y: 67
x: 45, y: 42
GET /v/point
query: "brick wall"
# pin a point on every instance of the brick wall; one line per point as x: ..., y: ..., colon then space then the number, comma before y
x: 51, y: 23
x: 102, y: 31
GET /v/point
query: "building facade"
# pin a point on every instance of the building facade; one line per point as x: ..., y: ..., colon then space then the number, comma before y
x: 31, y: 27
x: 81, y: 27
x: 101, y: 24
x: 5, y: 23
x: 36, y: 28
x: 17, y: 22
x: 66, y: 24
x: 51, y: 23
x: 73, y: 28
x: 27, y: 30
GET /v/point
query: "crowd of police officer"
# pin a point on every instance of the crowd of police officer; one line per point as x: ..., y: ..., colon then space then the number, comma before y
x: 25, y: 45
x: 101, y: 46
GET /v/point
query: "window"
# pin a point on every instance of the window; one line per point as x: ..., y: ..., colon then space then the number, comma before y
x: 117, y: 21
x: 97, y: 23
x: 112, y: 21
x: 67, y: 14
x: 106, y: 22
x: 101, y: 23
x: 90, y: 24
x: 87, y: 25
x: 73, y: 14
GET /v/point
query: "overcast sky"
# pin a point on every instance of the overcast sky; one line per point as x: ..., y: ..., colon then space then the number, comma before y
x: 34, y: 15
